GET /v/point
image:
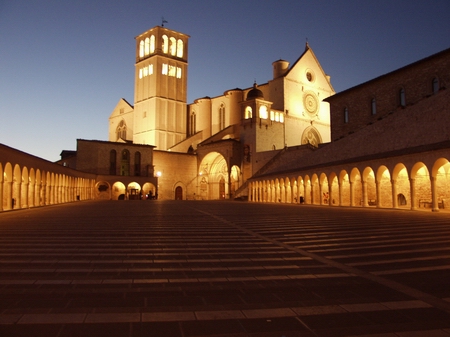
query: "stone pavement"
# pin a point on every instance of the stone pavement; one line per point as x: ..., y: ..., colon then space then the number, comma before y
x: 220, y: 268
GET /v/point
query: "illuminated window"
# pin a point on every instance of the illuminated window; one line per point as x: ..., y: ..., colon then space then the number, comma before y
x: 141, y: 49
x: 435, y: 85
x: 172, y: 71
x: 165, y: 44
x: 272, y: 115
x: 150, y: 69
x: 180, y: 48
x: 178, y: 72
x: 374, y: 106
x: 402, y: 97
x: 346, y: 115
x: 140, y: 73
x: 165, y: 69
x: 248, y: 112
x: 145, y: 71
x: 173, y: 46
x: 147, y: 46
x: 152, y: 44
x: 281, y: 118
x: 277, y: 116
x: 263, y: 112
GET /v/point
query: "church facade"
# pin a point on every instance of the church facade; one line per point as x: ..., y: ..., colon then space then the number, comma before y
x: 233, y: 135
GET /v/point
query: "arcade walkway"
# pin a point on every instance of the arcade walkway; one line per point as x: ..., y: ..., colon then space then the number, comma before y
x: 187, y: 268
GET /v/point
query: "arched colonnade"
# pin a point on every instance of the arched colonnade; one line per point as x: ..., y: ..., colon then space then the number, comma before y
x: 395, y: 184
x: 24, y: 186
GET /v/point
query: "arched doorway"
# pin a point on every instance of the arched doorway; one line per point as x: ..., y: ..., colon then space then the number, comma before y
x: 178, y: 193
x: 214, y: 175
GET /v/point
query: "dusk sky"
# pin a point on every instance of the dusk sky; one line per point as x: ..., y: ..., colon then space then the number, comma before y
x: 64, y: 65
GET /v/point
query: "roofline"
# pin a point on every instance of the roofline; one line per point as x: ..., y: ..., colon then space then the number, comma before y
x: 410, y: 65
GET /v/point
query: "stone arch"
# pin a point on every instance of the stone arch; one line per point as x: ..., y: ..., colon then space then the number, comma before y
x: 384, y: 188
x: 356, y: 195
x: 134, y: 191
x: 333, y: 184
x: 315, y: 190
x: 102, y: 190
x: 308, y: 190
x: 235, y: 179
x: 118, y: 191
x: 370, y: 189
x: 421, y: 196
x: 214, y: 176
x: 440, y: 182
x: 400, y: 186
x: 149, y: 190
x: 295, y: 194
x: 311, y: 136
x: 344, y: 188
x: 324, y: 189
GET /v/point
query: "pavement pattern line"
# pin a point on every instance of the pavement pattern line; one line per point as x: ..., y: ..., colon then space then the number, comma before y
x: 205, y: 315
x: 407, y: 290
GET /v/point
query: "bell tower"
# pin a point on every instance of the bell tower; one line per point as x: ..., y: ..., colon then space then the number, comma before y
x: 160, y: 88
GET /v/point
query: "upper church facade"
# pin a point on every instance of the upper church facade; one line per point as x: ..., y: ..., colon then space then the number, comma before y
x: 288, y: 110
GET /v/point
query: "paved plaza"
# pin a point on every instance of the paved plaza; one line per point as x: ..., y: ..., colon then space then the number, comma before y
x: 222, y: 268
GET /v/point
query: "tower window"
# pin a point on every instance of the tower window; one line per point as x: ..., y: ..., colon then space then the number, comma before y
x: 248, y: 112
x: 141, y: 49
x: 263, y: 112
x: 165, y: 44
x: 152, y: 44
x: 345, y: 115
x: 173, y: 46
x: 180, y: 48
x: 147, y: 46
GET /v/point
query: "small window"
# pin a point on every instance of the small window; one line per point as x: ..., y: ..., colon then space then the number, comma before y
x: 248, y: 112
x: 165, y: 44
x: 180, y: 48
x: 152, y: 44
x: 374, y: 106
x: 263, y: 112
x: 346, y: 115
x: 141, y: 49
x: 402, y: 97
x: 173, y: 46
x: 147, y: 46
x: 435, y: 85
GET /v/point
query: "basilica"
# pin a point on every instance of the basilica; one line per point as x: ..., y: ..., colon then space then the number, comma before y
x: 384, y: 143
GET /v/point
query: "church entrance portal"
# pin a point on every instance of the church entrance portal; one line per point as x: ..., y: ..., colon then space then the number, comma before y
x: 179, y: 193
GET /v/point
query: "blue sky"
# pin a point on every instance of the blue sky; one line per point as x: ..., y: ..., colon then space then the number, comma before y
x: 64, y: 65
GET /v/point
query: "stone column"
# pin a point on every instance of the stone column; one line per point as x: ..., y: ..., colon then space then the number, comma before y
x: 412, y: 184
x: 394, y: 194
x: 434, y: 200
x: 365, y: 195
x: 377, y: 186
x: 352, y: 196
